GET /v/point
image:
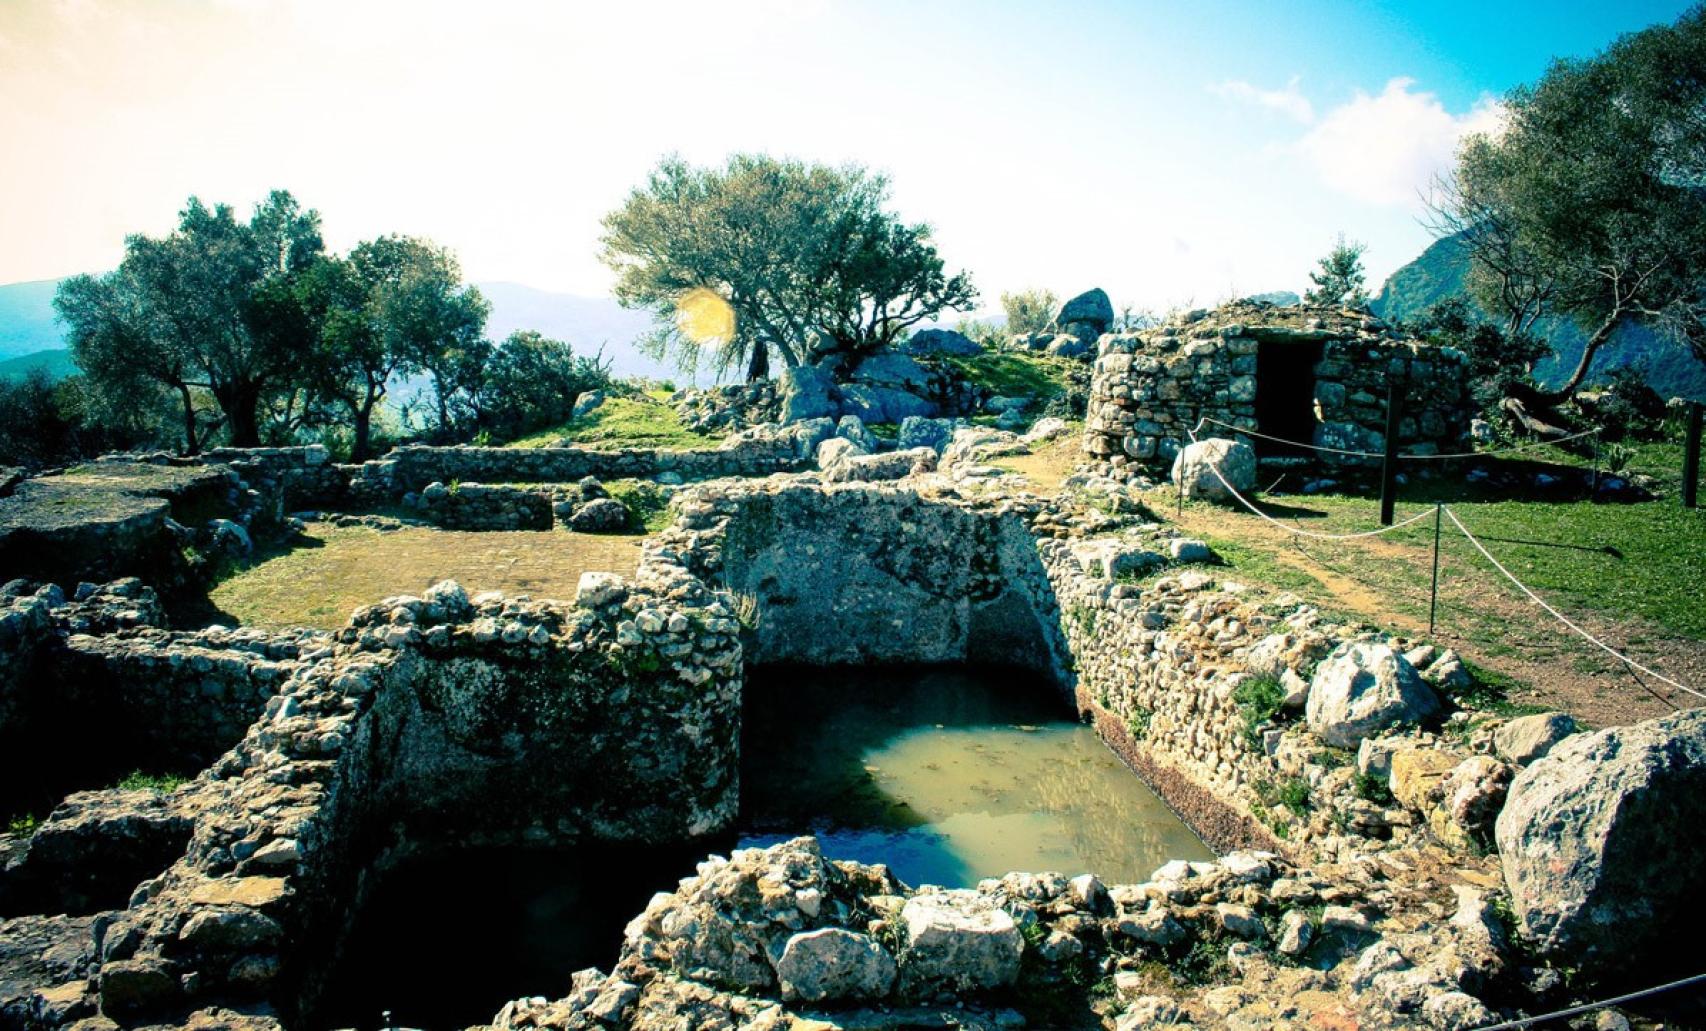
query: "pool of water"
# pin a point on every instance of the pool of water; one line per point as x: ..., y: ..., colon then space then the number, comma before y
x: 947, y: 774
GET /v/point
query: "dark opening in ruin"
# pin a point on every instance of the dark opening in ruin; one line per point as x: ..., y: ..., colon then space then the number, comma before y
x: 446, y: 937
x: 1285, y: 396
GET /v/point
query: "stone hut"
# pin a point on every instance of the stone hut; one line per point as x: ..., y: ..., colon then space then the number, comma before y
x: 1314, y: 374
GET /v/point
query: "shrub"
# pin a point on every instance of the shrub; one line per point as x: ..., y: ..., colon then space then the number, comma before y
x: 1259, y: 699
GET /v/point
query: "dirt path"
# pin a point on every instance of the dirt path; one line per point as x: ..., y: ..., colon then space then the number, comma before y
x: 1484, y: 618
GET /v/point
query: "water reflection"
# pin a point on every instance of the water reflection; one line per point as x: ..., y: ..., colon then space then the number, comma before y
x: 948, y: 775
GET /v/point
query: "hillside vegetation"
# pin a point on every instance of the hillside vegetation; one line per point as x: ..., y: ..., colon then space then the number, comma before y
x: 1441, y: 272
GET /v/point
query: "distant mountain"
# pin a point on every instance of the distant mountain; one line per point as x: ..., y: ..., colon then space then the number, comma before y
x: 587, y: 323
x: 1442, y: 272
x: 56, y: 363
x: 1277, y: 298
x: 28, y: 326
x: 26, y: 318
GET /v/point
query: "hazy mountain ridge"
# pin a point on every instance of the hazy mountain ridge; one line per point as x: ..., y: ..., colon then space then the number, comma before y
x: 1441, y: 272
x: 28, y: 328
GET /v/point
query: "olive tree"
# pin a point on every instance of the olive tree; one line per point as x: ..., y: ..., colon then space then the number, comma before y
x: 1591, y: 204
x: 190, y: 312
x: 806, y: 256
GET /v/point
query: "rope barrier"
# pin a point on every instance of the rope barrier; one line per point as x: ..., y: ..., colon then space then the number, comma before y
x: 1401, y: 458
x: 1560, y: 617
x: 1511, y: 1025
x: 1247, y: 503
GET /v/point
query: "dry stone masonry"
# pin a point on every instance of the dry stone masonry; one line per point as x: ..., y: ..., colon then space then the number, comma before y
x: 1368, y: 822
x: 1311, y: 374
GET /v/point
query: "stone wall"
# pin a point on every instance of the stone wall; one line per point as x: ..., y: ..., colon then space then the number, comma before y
x: 415, y: 466
x: 1149, y: 389
x: 477, y: 506
x: 430, y: 721
x: 857, y: 573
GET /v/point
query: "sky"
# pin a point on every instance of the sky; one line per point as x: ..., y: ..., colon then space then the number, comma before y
x: 1172, y: 153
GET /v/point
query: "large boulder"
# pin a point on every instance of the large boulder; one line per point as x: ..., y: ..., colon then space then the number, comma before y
x: 942, y: 341
x: 1195, y: 465
x: 917, y: 431
x: 1363, y: 687
x: 958, y: 941
x: 832, y: 963
x: 1601, y: 842
x: 883, y: 404
x: 601, y: 515
x: 806, y: 393
x: 1091, y: 308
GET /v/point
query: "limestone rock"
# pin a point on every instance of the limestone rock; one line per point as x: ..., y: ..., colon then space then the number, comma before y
x: 1195, y: 466
x: 958, y: 941
x: 837, y: 449
x: 942, y: 341
x: 585, y: 403
x: 1361, y: 689
x: 1527, y: 738
x: 1092, y: 306
x: 1601, y: 840
x: 806, y: 393
x: 918, y: 431
x: 602, y: 515
x: 832, y: 963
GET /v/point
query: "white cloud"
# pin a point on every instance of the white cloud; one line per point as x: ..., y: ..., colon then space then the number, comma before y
x: 1386, y: 149
x: 1289, y: 101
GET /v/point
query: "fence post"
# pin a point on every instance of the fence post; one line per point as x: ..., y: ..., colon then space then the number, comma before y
x: 1389, y: 466
x: 1433, y: 592
x: 1691, y: 457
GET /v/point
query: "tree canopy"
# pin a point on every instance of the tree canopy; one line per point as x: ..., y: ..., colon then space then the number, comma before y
x: 190, y: 310
x: 1592, y: 201
x: 807, y: 257
x: 1339, y: 277
x: 1029, y: 311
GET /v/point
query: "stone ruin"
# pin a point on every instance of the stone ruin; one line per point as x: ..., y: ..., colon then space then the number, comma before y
x: 1368, y: 822
x: 1310, y: 374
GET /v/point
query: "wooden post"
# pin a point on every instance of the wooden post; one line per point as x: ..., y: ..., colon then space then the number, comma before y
x: 1691, y: 457
x: 1433, y: 591
x: 1389, y: 467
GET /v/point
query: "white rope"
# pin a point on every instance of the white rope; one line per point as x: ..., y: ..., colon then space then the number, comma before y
x: 1293, y: 443
x: 1402, y: 458
x: 1560, y: 617
x: 1509, y: 1025
x: 1423, y: 514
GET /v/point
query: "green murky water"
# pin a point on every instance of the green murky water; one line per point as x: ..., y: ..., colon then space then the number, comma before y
x: 947, y: 774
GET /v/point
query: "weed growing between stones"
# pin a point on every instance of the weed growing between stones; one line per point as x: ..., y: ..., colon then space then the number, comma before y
x: 1138, y: 723
x: 1260, y: 700
x: 136, y: 780
x: 23, y: 825
x: 1371, y: 788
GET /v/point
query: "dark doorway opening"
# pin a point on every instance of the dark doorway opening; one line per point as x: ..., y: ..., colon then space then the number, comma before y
x: 1285, y: 396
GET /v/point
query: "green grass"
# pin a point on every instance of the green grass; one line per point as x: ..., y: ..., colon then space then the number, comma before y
x: 138, y: 781
x: 641, y: 421
x: 1014, y: 373
x: 647, y: 503
x: 1644, y: 559
x: 1259, y: 700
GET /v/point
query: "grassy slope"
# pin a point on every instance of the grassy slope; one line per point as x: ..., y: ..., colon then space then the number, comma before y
x: 644, y: 420
x: 1632, y: 573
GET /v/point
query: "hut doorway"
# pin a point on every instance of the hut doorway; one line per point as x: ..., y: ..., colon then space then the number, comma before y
x: 1285, y: 396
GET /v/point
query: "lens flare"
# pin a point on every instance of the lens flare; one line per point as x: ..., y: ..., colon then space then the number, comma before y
x: 704, y: 317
